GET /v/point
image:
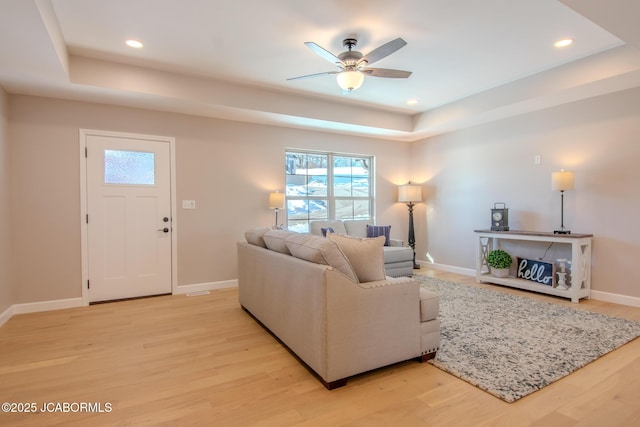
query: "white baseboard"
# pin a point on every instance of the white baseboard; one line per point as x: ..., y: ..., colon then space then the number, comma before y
x: 58, y: 304
x: 448, y: 268
x: 34, y: 307
x: 615, y: 298
x: 200, y: 287
x: 597, y: 295
x: 6, y: 315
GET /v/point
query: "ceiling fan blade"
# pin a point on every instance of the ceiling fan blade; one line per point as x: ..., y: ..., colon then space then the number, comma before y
x: 313, y: 75
x: 323, y: 53
x: 385, y: 72
x: 383, y: 51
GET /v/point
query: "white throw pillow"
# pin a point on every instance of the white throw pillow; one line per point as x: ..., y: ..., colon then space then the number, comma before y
x: 321, y: 251
x: 366, y: 255
x: 256, y: 236
x: 275, y: 240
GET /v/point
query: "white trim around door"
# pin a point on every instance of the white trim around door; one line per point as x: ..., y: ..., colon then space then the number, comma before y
x: 84, y: 134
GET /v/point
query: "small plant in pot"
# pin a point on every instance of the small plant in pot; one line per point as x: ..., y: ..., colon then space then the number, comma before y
x: 499, y: 262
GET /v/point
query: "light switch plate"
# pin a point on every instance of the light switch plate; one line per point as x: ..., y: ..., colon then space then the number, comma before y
x: 188, y: 204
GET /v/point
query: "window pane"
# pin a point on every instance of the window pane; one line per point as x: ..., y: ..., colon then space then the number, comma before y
x: 342, y: 186
x: 306, y: 174
x: 327, y: 186
x: 317, y: 185
x: 352, y: 209
x: 296, y: 185
x: 317, y: 209
x: 360, y: 187
x: 305, y: 209
x: 297, y: 209
x: 344, y: 209
x: 129, y: 167
x: 351, y: 176
x: 361, y: 209
x: 298, y: 226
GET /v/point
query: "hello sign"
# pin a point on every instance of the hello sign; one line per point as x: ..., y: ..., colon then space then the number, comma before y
x: 536, y: 271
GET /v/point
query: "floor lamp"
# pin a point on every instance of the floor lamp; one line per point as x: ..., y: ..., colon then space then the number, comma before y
x: 562, y: 181
x: 276, y: 201
x: 410, y: 194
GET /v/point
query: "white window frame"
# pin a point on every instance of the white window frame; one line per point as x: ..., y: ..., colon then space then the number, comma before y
x: 330, y: 197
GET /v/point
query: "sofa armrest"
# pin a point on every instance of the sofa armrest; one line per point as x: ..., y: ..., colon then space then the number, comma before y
x: 396, y: 242
x: 388, y: 281
x: 371, y: 324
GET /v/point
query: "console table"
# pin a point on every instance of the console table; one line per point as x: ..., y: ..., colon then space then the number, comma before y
x: 580, y: 286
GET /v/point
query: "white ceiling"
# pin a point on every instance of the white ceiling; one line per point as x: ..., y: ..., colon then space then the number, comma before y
x: 472, y: 61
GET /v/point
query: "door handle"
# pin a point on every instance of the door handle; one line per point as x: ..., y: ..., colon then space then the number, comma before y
x: 165, y: 230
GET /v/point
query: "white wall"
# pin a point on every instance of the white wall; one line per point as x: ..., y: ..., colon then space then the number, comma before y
x: 6, y: 298
x: 468, y: 170
x: 227, y: 167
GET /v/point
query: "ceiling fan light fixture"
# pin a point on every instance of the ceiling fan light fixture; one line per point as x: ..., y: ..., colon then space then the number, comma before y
x: 350, y: 80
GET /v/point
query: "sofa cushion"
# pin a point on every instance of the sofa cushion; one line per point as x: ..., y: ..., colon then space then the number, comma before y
x: 321, y: 251
x: 398, y: 269
x: 429, y: 305
x: 366, y: 255
x: 379, y: 230
x: 256, y: 236
x: 356, y: 227
x: 275, y: 240
x: 315, y: 227
x: 397, y: 254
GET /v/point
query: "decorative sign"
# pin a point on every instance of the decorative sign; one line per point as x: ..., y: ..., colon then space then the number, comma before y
x: 536, y: 271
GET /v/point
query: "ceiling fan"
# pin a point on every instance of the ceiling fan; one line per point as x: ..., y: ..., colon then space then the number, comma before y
x: 352, y: 65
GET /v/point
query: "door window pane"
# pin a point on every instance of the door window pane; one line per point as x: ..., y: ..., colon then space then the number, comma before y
x: 129, y: 167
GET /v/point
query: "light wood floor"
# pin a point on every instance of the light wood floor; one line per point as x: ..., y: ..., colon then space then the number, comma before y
x: 178, y: 360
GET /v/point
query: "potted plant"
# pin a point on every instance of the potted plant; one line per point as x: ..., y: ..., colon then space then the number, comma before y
x: 499, y: 262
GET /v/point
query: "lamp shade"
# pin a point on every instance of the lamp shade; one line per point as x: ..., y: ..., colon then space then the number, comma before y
x: 561, y: 181
x: 350, y: 80
x: 276, y: 200
x: 409, y: 193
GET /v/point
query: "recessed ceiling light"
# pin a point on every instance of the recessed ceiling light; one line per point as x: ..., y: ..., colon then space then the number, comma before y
x: 134, y: 44
x: 412, y: 101
x: 563, y: 42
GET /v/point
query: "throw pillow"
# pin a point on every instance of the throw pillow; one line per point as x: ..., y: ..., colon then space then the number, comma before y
x: 356, y: 227
x: 321, y: 251
x: 365, y: 255
x: 256, y: 236
x: 275, y: 240
x: 316, y: 225
x: 379, y: 230
x: 326, y: 230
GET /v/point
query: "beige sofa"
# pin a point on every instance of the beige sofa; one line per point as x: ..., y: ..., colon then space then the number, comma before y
x: 337, y: 324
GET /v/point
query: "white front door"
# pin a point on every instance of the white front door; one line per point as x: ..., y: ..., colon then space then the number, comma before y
x: 128, y: 216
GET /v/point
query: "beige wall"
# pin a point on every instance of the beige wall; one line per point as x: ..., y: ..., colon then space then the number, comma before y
x: 468, y: 170
x: 6, y: 299
x: 227, y: 167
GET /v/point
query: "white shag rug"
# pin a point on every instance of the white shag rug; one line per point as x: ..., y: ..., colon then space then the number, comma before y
x: 511, y: 346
